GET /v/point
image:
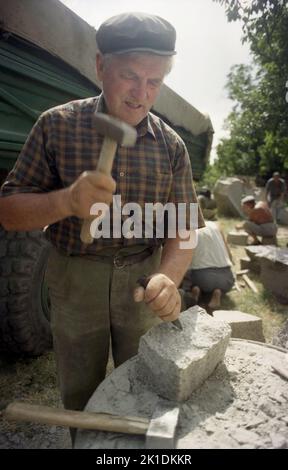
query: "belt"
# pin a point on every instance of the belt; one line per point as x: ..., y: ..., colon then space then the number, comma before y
x: 120, y: 261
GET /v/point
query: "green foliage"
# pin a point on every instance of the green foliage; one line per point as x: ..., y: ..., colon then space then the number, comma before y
x: 211, y: 175
x: 258, y: 123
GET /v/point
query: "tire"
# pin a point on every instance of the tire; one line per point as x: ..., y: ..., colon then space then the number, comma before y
x: 24, y: 302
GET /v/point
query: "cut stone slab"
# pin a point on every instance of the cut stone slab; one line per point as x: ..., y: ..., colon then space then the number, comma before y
x: 254, y: 253
x: 174, y: 363
x: 243, y: 325
x: 274, y: 272
x: 237, y: 237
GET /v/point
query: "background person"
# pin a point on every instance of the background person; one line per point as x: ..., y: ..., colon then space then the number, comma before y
x: 260, y: 220
x: 275, y: 191
x: 210, y: 270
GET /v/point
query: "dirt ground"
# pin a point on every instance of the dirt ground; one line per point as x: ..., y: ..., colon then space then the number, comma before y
x: 34, y: 380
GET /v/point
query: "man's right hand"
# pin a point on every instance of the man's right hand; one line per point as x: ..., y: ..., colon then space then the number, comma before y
x: 91, y: 187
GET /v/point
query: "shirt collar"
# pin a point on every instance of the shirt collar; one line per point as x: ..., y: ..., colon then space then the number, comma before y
x: 142, y: 128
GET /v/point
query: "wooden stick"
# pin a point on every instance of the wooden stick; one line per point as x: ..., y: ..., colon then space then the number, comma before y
x: 18, y: 411
x: 243, y: 271
x: 250, y: 283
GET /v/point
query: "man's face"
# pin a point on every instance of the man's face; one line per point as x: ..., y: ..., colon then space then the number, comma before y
x: 131, y: 84
x: 247, y: 208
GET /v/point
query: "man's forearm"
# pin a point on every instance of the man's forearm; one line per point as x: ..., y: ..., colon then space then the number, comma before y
x: 175, y: 261
x: 30, y: 211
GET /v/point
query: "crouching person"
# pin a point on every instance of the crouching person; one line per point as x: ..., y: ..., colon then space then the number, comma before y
x: 210, y: 270
x: 260, y: 220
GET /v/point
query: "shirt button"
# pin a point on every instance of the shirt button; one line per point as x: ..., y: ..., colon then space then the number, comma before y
x: 122, y: 173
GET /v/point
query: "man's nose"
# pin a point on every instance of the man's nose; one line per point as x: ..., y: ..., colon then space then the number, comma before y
x: 140, y: 90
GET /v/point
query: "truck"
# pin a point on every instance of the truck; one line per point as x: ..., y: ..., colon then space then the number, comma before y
x: 47, y: 57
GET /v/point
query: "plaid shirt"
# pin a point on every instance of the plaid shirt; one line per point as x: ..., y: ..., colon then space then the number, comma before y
x: 64, y: 142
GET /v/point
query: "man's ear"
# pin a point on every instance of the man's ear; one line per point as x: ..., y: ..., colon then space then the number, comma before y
x: 99, y: 66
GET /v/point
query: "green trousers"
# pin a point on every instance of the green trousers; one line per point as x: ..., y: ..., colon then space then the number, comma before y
x: 91, y: 305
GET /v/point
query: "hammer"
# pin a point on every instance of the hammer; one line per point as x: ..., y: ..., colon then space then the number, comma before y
x: 159, y: 431
x: 115, y: 132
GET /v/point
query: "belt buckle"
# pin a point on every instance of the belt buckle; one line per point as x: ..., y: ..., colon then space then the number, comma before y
x: 119, y: 262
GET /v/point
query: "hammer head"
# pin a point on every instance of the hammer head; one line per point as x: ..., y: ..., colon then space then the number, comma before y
x: 162, y: 427
x: 119, y: 131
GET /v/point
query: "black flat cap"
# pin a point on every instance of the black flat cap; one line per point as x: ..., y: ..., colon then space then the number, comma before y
x: 141, y: 32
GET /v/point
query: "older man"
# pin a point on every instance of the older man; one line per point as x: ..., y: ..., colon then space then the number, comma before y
x: 53, y: 184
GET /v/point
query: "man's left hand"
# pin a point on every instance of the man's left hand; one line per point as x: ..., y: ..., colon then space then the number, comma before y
x: 162, y: 296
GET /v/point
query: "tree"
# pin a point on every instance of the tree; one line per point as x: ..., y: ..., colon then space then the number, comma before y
x: 258, y: 123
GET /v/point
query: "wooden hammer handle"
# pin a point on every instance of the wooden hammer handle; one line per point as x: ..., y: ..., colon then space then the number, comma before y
x: 18, y: 411
x: 104, y: 165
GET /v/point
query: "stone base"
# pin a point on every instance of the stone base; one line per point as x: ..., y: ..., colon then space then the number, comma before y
x: 243, y: 325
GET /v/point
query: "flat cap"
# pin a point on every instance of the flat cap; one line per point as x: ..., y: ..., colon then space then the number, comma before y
x: 247, y: 199
x: 132, y: 32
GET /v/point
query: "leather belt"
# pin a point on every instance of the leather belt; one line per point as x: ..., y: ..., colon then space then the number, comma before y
x: 119, y: 260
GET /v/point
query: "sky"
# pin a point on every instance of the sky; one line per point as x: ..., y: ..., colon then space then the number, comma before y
x: 207, y: 46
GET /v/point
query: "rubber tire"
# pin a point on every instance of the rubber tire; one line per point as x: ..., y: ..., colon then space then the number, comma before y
x: 24, y: 322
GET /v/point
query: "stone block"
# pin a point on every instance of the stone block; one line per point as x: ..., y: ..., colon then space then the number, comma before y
x: 227, y: 194
x: 237, y: 237
x: 274, y: 272
x: 174, y: 363
x: 243, y: 325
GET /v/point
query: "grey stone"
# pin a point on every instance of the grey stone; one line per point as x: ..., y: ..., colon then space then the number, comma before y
x: 237, y: 237
x: 243, y: 325
x: 274, y: 272
x: 267, y: 407
x: 242, y: 436
x: 174, y: 363
x: 278, y: 441
x: 228, y: 193
x: 261, y: 418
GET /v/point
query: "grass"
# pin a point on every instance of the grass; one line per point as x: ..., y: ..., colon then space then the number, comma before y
x: 263, y: 304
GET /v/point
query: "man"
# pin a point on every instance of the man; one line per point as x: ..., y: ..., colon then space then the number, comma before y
x: 93, y: 287
x: 275, y: 191
x: 260, y: 219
